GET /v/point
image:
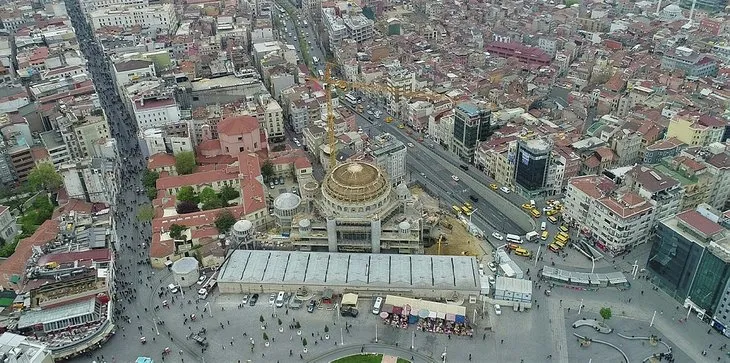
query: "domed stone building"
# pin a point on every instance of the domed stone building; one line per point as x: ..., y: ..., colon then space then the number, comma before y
x: 357, y: 209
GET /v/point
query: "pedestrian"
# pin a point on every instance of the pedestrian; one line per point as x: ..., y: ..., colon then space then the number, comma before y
x: 502, y: 341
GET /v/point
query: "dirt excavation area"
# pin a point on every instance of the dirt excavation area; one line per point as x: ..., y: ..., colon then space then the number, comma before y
x: 458, y: 241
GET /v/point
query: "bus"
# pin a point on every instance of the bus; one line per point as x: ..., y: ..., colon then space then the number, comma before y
x: 351, y: 99
x: 514, y: 238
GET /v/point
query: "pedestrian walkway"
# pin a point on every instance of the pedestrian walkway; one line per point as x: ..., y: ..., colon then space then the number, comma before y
x: 389, y: 359
x: 557, y: 328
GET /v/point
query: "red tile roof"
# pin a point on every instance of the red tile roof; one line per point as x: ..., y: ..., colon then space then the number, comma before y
x: 152, y: 104
x: 15, y: 264
x: 160, y: 160
x: 238, y: 125
x: 96, y: 255
x: 699, y: 222
x: 595, y: 186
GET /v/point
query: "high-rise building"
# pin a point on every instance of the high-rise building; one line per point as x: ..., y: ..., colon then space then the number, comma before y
x: 710, y: 5
x: 532, y: 166
x: 691, y: 261
x: 471, y: 126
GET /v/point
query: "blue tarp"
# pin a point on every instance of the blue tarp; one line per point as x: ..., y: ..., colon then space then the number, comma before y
x: 460, y: 319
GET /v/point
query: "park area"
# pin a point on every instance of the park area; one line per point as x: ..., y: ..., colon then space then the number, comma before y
x: 371, y: 358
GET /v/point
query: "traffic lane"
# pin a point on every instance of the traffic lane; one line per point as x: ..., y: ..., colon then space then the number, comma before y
x: 446, y: 170
x: 457, y: 194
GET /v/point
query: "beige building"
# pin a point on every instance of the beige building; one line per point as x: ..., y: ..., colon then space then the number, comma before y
x: 615, y: 220
x: 492, y: 158
x: 695, y: 129
x: 694, y: 176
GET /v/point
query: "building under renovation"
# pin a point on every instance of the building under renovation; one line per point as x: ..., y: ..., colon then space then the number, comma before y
x: 355, y: 209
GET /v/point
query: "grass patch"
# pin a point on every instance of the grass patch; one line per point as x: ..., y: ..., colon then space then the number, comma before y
x: 361, y: 358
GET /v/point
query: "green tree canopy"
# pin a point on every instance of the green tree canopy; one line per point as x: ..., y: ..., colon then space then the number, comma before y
x: 187, y: 194
x: 207, y: 195
x: 176, y: 231
x: 145, y: 213
x: 605, y: 313
x: 149, y: 179
x: 186, y: 207
x: 45, y: 177
x: 224, y: 221
x: 185, y: 162
x: 228, y: 193
x: 267, y: 170
x: 213, y: 204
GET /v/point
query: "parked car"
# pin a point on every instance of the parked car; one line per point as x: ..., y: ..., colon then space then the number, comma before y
x: 497, y: 309
x: 244, y: 301
x: 352, y: 312
x: 253, y: 300
x: 505, y: 190
x: 492, y: 267
x: 311, y: 306
x: 497, y: 236
x: 272, y: 298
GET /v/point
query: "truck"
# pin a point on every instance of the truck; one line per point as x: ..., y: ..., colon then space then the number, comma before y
x: 532, y: 236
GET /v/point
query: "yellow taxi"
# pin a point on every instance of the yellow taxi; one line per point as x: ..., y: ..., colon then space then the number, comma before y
x: 535, y: 213
x: 522, y: 252
x: 553, y: 247
x: 468, y: 205
x: 544, y: 236
x: 551, y: 212
x: 401, y: 126
x: 456, y: 209
x: 564, y: 228
x: 552, y: 219
x: 527, y: 206
x: 388, y: 119
x: 493, y: 186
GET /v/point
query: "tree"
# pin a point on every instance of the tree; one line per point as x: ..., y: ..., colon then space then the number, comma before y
x: 261, y: 319
x: 149, y: 179
x: 278, y: 321
x: 224, y: 221
x: 187, y: 194
x: 176, y: 231
x: 145, y: 213
x: 326, y: 329
x: 304, y: 342
x: 186, y: 207
x: 185, y: 162
x: 45, y: 177
x: 151, y: 193
x: 605, y: 313
x: 207, y: 195
x: 228, y: 193
x: 266, y: 337
x: 213, y: 204
x: 267, y: 170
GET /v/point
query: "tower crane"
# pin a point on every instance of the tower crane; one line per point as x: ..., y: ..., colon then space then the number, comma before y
x: 332, y: 83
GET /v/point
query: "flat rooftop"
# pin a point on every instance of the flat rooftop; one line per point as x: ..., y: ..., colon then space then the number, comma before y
x: 352, y: 269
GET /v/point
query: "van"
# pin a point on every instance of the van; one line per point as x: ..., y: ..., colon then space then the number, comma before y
x: 552, y: 220
x: 522, y: 252
x: 532, y: 203
x: 280, y: 299
x: 543, y: 226
x: 553, y: 247
x: 513, y: 238
x: 474, y: 198
x: 535, y: 213
x: 464, y: 167
x: 376, y: 305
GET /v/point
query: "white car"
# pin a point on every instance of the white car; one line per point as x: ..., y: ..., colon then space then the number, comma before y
x: 201, y: 280
x: 497, y: 236
x: 497, y: 309
x: 491, y: 280
x: 410, y: 144
x: 492, y: 267
x: 481, y: 269
x: 272, y: 298
x: 505, y: 190
x: 456, y: 178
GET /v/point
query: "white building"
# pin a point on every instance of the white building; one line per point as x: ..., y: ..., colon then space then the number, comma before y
x: 352, y: 25
x: 161, y: 17
x: 81, y: 133
x: 617, y: 220
x: 389, y: 154
x: 441, y: 128
x: 92, y: 180
x: 155, y: 112
x: 57, y: 149
x: 273, y: 118
x: 8, y: 227
x: 129, y: 71
x: 91, y: 5
x: 18, y: 349
x: 661, y: 190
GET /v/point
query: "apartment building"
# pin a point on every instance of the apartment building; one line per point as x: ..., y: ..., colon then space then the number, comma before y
x: 8, y: 228
x: 91, y: 5
x: 155, y: 112
x: 161, y: 18
x: 492, y: 157
x: 81, y: 133
x: 389, y: 154
x: 695, y: 129
x: 92, y: 180
x: 661, y: 190
x: 56, y: 146
x: 694, y: 177
x: 128, y: 71
x: 693, y: 63
x: 441, y: 128
x: 615, y: 220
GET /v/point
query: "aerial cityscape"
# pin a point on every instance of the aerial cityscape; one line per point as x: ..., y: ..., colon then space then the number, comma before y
x: 396, y: 181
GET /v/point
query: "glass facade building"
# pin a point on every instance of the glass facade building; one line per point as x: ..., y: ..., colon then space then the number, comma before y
x: 531, y: 164
x: 690, y: 260
x: 471, y: 126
